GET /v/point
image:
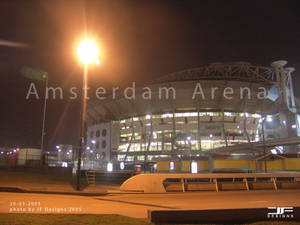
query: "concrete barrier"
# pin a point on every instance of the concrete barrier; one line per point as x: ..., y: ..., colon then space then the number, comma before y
x: 217, y: 216
x: 160, y: 182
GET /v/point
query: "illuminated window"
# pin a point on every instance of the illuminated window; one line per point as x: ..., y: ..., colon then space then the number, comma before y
x: 194, y: 167
x: 172, y: 165
x: 109, y: 167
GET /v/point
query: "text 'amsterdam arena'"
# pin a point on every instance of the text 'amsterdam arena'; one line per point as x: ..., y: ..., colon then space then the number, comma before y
x: 200, y: 112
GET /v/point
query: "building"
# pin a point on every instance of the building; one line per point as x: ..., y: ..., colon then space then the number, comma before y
x: 192, y: 112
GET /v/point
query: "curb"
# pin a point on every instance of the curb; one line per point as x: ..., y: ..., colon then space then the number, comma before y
x: 20, y: 190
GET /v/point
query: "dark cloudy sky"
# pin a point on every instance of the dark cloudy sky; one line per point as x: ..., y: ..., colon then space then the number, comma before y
x: 139, y: 41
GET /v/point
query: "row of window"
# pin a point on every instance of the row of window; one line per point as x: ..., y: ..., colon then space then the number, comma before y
x: 191, y: 114
x: 97, y: 133
x: 103, y: 144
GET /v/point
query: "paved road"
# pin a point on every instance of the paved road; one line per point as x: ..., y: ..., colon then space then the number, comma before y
x: 136, y: 205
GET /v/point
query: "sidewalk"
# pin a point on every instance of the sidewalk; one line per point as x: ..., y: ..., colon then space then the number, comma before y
x: 63, y: 188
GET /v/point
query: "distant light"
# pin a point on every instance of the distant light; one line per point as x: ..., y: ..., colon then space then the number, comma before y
x: 1, y: 152
x: 256, y: 115
x: 109, y: 167
x: 294, y: 126
x: 284, y: 122
x: 88, y: 148
x: 91, y: 151
x: 59, y: 150
x: 70, y: 150
x: 238, y: 126
x: 269, y: 119
x: 194, y: 167
x: 68, y: 153
x: 274, y: 151
x: 154, y: 135
x: 188, y: 138
x: 260, y: 120
x: 88, y: 52
x: 57, y: 146
x: 211, y: 135
x: 64, y: 164
x: 155, y: 166
x: 122, y: 165
x: 14, y: 150
x: 93, y: 142
x: 172, y: 165
x: 148, y: 117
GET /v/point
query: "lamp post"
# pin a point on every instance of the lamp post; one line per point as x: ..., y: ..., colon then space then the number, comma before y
x: 88, y: 53
x: 264, y: 143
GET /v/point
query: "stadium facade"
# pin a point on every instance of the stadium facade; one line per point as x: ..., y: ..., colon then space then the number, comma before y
x: 193, y: 113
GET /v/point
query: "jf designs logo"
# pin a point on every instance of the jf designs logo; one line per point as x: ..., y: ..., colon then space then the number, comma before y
x: 280, y: 212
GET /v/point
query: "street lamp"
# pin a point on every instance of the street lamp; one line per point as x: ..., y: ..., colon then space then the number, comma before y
x: 87, y: 53
x: 264, y: 143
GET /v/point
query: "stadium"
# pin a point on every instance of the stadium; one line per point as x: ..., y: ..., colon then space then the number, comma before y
x: 200, y: 112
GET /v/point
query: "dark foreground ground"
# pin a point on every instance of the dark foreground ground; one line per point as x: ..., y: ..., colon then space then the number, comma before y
x: 29, y: 219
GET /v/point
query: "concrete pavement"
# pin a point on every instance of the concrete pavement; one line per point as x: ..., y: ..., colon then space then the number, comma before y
x: 136, y: 205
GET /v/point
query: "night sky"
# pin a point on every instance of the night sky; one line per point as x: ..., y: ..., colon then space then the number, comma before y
x: 139, y: 41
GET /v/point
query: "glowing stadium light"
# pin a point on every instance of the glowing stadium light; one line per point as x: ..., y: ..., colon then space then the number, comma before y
x: 194, y: 167
x: 269, y: 119
x: 88, y: 52
x: 93, y: 142
x: 88, y: 148
x: 91, y: 151
x: 109, y: 167
x: 122, y: 165
x: 172, y: 165
x: 57, y: 146
x: 274, y: 151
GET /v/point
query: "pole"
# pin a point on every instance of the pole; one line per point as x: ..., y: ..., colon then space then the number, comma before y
x: 82, y: 122
x: 264, y: 143
x: 44, y: 114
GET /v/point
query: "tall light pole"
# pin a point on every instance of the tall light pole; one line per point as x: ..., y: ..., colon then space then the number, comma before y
x: 45, y: 76
x: 88, y: 53
x: 264, y: 143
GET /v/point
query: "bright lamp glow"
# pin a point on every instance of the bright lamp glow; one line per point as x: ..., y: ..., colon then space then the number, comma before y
x: 109, y: 167
x: 194, y: 167
x: 269, y: 119
x: 122, y: 165
x: 88, y: 52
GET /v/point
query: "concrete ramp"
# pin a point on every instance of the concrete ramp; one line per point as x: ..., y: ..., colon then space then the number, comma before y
x: 163, y: 182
